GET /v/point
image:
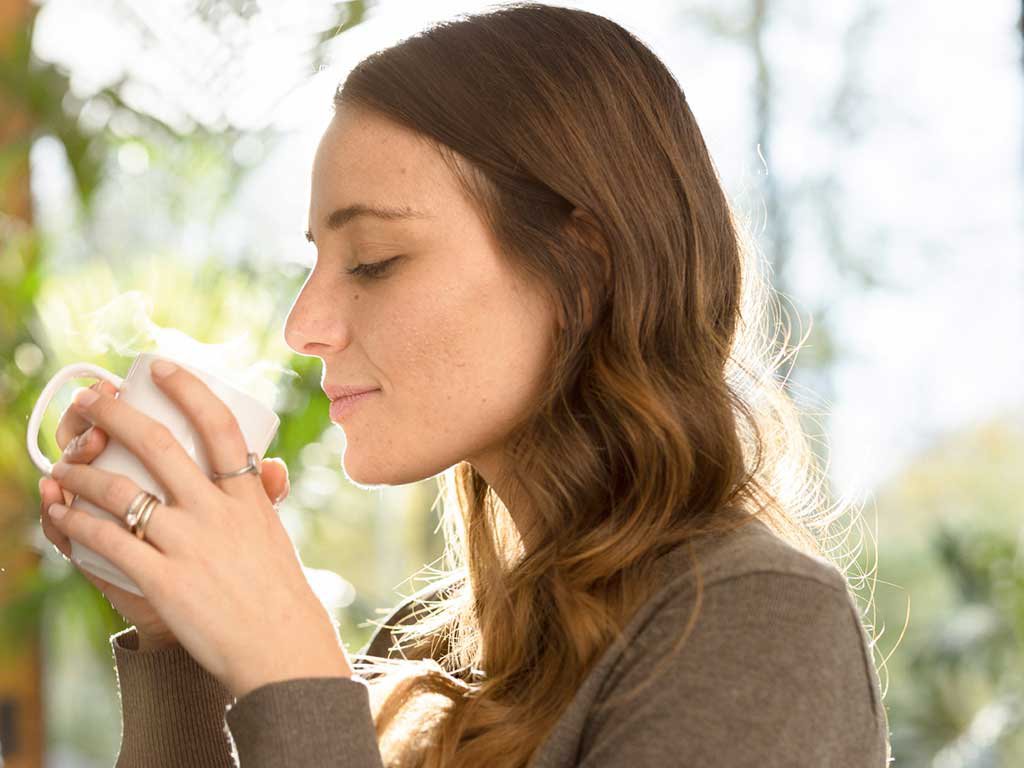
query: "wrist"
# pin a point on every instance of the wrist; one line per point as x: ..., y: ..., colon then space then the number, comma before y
x: 329, y: 665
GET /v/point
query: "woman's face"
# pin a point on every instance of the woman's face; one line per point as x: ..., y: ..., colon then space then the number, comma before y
x: 454, y: 342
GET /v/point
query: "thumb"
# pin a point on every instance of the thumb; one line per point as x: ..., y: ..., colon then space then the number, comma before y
x: 274, y: 474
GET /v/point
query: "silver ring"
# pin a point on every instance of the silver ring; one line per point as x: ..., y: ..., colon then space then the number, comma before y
x: 253, y: 466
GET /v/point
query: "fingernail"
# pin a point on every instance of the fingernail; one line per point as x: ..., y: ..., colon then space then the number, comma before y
x: 57, y: 511
x: 41, y: 479
x: 75, y: 444
x: 87, y: 397
x: 59, y: 469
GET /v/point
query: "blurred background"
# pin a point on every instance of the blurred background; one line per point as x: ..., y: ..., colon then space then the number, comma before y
x: 154, y: 174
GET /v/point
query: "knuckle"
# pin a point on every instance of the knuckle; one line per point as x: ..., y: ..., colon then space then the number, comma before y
x: 222, y: 420
x: 160, y: 439
x: 93, y: 530
x: 107, y: 539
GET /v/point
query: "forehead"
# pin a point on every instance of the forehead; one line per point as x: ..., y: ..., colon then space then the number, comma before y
x: 365, y: 158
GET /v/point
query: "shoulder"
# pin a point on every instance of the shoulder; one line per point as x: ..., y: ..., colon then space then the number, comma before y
x: 748, y: 565
x: 751, y: 549
x: 771, y: 646
x: 755, y: 583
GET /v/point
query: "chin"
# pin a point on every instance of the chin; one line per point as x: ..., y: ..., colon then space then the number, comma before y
x: 365, y: 479
x: 373, y: 478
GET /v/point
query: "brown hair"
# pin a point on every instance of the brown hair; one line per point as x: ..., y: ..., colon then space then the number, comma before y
x: 578, y: 149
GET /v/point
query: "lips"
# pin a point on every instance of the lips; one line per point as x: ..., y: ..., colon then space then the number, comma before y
x: 336, y: 391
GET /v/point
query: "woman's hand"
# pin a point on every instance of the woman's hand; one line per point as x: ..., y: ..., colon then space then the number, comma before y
x: 81, y: 443
x: 216, y: 565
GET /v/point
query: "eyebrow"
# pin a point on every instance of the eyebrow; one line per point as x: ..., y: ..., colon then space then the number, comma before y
x: 342, y: 216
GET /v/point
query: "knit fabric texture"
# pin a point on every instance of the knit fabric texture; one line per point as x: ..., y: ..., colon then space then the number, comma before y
x: 777, y: 671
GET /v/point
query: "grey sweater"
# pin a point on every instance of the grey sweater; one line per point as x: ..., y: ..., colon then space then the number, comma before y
x: 777, y: 672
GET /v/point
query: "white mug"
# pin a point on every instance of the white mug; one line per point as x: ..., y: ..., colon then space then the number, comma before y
x: 258, y: 424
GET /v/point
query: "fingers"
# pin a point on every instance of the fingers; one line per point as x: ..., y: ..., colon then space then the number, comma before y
x: 50, y: 493
x: 80, y: 443
x: 72, y: 424
x: 274, y: 474
x: 86, y: 447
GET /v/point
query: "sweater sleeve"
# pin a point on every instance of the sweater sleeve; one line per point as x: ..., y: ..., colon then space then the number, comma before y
x: 175, y: 713
x: 312, y: 721
x: 172, y: 709
x: 306, y: 723
x: 774, y: 673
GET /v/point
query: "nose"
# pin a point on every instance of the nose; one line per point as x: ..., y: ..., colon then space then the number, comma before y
x: 314, y: 327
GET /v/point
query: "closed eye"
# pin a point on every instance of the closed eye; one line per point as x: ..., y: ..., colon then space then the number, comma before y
x: 371, y: 271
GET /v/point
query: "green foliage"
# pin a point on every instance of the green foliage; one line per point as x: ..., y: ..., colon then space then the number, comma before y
x: 36, y: 90
x: 952, y: 541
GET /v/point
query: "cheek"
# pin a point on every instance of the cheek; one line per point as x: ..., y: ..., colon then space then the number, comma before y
x: 433, y: 356
x: 462, y: 359
x: 448, y: 370
x: 430, y: 345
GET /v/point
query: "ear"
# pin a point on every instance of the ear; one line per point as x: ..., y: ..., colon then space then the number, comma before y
x: 584, y: 229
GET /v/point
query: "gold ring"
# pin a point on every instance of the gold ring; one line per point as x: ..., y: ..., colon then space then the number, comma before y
x: 138, y: 527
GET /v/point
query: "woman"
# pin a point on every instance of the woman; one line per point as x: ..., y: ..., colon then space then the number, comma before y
x: 524, y: 248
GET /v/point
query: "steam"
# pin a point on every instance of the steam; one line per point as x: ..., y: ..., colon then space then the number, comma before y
x: 124, y: 326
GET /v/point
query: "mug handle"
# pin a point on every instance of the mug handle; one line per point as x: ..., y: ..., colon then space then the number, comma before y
x: 65, y: 374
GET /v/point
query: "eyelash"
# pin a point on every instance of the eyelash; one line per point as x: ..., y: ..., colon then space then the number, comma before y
x: 372, y: 271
